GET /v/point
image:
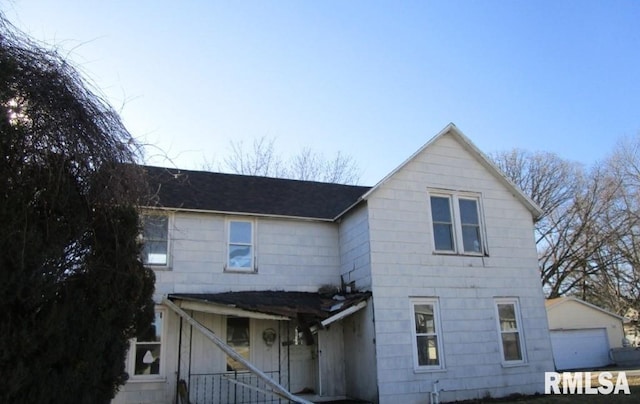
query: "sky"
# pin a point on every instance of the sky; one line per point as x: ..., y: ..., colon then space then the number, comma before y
x: 371, y: 79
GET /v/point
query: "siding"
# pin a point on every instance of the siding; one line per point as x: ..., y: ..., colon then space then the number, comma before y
x: 403, y: 265
x: 355, y: 258
x: 290, y: 255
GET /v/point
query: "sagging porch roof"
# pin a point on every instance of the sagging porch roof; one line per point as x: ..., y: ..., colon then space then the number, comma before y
x: 313, y: 308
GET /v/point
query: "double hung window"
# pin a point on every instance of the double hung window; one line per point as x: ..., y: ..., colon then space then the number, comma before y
x: 457, y: 225
x: 426, y: 334
x: 509, y: 327
x: 146, y: 351
x: 241, y: 248
x: 155, y: 235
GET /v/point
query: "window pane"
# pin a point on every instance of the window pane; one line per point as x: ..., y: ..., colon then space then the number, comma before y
x: 440, y: 209
x: 443, y: 236
x: 471, y: 238
x: 155, y: 227
x: 511, y: 346
x: 238, y: 339
x: 469, y: 211
x: 154, y: 332
x: 425, y: 321
x: 155, y: 252
x: 147, y: 359
x: 428, y: 351
x: 155, y: 237
x: 240, y: 232
x: 507, y: 313
x: 239, y: 256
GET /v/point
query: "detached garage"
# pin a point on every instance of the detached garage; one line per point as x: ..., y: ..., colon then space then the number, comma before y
x: 581, y: 333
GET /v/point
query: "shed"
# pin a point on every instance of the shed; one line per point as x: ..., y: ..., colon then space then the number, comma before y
x: 582, y: 334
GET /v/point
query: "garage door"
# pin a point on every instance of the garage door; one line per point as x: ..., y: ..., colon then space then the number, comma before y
x: 578, y: 349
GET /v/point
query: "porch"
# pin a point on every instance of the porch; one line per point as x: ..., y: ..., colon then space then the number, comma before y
x: 276, y: 350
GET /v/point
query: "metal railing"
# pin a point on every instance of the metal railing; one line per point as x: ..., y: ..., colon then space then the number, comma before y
x: 231, y: 388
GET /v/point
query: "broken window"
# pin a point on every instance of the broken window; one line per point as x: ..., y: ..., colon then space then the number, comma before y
x: 146, y: 349
x: 238, y: 339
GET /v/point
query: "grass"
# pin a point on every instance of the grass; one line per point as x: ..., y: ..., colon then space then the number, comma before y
x: 621, y: 398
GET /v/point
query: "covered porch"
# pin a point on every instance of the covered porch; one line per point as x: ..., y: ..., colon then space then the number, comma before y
x: 263, y: 346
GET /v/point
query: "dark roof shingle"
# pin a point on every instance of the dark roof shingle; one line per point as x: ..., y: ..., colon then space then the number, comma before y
x: 208, y: 191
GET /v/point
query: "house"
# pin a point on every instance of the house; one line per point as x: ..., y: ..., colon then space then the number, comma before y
x: 582, y: 334
x: 422, y: 286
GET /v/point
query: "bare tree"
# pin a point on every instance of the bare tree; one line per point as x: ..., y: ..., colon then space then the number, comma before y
x: 262, y: 159
x: 569, y: 234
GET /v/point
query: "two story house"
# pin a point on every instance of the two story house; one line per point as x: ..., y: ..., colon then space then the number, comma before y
x: 422, y: 287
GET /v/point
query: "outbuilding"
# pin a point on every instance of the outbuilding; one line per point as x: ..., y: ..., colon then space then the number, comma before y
x: 582, y: 334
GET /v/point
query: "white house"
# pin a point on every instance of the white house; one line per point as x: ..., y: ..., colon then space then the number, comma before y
x: 425, y: 284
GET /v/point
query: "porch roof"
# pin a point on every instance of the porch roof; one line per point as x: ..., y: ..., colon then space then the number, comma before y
x: 279, y: 305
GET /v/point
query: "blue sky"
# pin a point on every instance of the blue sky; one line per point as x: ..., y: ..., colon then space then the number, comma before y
x: 372, y: 79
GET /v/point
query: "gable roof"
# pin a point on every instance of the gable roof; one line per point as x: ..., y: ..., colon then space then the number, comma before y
x: 551, y: 303
x: 452, y: 130
x: 247, y: 194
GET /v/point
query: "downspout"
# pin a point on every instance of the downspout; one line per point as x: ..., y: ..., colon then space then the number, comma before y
x: 277, y: 388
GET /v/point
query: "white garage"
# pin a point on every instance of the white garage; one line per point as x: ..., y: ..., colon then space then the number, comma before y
x: 581, y: 333
x: 579, y: 349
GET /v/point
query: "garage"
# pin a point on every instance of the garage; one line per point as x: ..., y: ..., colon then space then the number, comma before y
x: 578, y: 349
x: 582, y: 333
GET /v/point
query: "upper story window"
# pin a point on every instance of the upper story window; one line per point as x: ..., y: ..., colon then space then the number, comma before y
x: 241, y: 249
x: 457, y: 224
x: 510, y: 329
x: 427, y: 341
x: 155, y: 235
x: 146, y: 352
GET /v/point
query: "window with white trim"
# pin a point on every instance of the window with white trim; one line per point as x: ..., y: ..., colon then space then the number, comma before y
x: 427, y: 341
x: 146, y: 352
x: 155, y: 237
x: 510, y: 330
x: 457, y: 224
x: 240, y: 246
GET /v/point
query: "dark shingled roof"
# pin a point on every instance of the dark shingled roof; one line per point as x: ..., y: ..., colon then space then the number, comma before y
x: 208, y: 191
x: 312, y: 306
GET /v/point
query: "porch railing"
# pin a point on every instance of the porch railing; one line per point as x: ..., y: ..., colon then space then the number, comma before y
x: 231, y: 388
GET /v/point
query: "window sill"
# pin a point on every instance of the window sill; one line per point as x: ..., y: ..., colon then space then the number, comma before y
x: 147, y: 379
x: 428, y: 369
x: 240, y: 271
x: 514, y: 364
x: 457, y: 254
x: 159, y: 267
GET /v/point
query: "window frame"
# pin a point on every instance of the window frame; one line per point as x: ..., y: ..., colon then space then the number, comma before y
x: 454, y: 198
x: 250, y: 344
x: 513, y: 301
x: 434, y: 302
x: 131, y: 355
x: 169, y: 217
x: 252, y: 266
